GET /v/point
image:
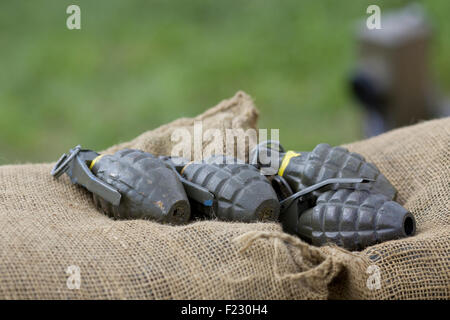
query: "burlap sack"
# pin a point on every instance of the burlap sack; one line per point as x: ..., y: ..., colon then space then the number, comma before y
x: 50, y: 230
x: 416, y: 160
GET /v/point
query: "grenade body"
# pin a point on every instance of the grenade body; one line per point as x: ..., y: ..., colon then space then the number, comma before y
x: 354, y: 220
x: 304, y: 169
x: 241, y: 192
x: 149, y: 189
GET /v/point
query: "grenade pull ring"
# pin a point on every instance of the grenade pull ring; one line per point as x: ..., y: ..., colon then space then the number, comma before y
x: 74, y: 164
x: 62, y: 164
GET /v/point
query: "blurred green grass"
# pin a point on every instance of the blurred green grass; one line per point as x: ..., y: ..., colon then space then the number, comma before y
x: 135, y: 65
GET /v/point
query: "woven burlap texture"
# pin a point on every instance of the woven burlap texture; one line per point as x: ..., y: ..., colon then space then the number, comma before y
x: 49, y: 225
x: 50, y: 228
x: 416, y: 159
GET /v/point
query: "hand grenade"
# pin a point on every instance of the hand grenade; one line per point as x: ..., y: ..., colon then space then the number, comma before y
x: 241, y: 192
x: 304, y: 169
x: 130, y: 184
x: 354, y: 219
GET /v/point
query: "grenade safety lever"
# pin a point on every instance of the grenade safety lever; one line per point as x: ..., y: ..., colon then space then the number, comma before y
x: 193, y: 191
x: 286, y: 203
x: 74, y: 164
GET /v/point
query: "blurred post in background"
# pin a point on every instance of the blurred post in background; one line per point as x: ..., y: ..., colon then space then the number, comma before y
x: 392, y: 79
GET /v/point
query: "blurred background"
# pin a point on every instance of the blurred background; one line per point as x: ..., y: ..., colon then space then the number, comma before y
x: 135, y: 65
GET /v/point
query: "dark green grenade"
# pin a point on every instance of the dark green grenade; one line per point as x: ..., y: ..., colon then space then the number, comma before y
x: 354, y: 220
x: 149, y: 189
x: 241, y: 192
x: 303, y: 169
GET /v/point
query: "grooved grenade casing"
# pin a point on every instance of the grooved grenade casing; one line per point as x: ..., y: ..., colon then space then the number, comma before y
x: 324, y: 162
x: 354, y: 220
x: 241, y: 192
x: 149, y: 189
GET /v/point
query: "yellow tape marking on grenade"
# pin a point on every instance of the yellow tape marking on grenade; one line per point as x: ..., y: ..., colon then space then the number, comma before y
x: 187, y: 164
x: 285, y: 162
x: 94, y: 161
